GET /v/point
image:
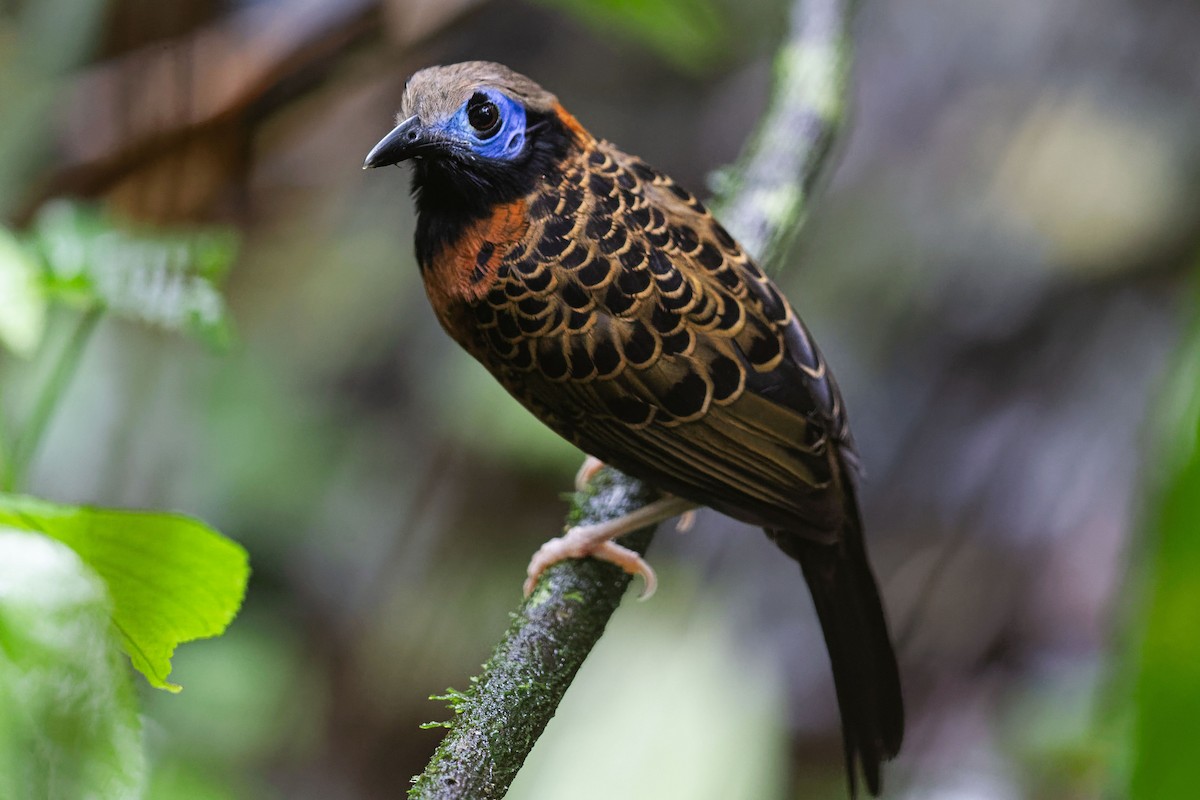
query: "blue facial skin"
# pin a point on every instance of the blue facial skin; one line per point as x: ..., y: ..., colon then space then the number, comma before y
x: 505, y: 144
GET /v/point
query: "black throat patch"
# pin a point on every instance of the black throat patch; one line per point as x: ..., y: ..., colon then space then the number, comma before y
x: 454, y: 190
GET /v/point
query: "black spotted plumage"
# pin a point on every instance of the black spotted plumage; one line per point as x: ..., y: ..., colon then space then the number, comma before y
x: 609, y: 301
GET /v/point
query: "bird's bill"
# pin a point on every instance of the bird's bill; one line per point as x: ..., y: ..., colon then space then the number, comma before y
x: 406, y: 140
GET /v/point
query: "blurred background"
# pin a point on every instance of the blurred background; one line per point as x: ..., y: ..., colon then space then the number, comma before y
x: 1000, y: 267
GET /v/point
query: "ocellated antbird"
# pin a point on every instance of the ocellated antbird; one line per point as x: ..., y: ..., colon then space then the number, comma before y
x: 611, y: 304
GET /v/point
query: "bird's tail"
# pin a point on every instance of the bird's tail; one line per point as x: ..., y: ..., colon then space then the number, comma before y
x: 865, y: 675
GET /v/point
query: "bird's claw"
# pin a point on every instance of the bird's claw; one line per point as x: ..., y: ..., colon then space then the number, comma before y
x: 587, y: 470
x: 580, y: 542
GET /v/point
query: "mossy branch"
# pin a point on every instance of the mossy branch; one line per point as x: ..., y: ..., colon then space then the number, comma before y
x: 763, y: 200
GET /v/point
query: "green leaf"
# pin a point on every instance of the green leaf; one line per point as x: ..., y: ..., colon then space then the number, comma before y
x: 166, y: 280
x: 171, y: 578
x: 69, y: 724
x: 22, y: 301
x: 1167, y: 685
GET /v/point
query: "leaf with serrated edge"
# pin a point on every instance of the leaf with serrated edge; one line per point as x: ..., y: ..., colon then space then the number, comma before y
x: 172, y: 579
x: 166, y: 279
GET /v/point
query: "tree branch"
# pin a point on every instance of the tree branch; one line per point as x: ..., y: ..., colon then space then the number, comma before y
x: 498, y: 720
x: 763, y: 199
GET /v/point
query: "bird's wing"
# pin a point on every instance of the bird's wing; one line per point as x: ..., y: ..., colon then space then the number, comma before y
x: 633, y: 324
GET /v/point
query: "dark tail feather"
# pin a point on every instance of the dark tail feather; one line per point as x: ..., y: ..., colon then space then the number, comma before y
x: 865, y: 675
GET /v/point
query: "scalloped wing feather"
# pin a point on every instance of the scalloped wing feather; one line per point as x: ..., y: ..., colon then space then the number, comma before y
x: 626, y: 318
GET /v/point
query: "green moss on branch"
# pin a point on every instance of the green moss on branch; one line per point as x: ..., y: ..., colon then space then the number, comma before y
x: 498, y: 720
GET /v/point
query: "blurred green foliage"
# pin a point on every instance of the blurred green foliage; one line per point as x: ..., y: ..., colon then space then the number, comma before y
x: 477, y: 412
x: 692, y: 34
x: 69, y: 727
x: 1167, y: 693
x: 79, y: 584
x: 165, y: 279
x: 239, y: 709
x: 22, y: 302
x: 75, y: 256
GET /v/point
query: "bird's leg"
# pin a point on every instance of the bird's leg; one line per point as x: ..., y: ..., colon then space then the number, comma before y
x: 591, y: 465
x: 587, y: 470
x: 596, y: 541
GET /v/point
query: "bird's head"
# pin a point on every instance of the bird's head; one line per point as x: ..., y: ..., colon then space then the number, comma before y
x: 476, y: 131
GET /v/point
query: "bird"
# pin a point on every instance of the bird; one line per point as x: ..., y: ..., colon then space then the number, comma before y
x: 610, y: 302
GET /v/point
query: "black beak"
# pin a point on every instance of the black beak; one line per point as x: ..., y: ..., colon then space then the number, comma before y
x: 405, y: 141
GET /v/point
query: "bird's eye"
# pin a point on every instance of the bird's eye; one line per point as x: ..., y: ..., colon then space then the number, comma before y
x: 483, y: 115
